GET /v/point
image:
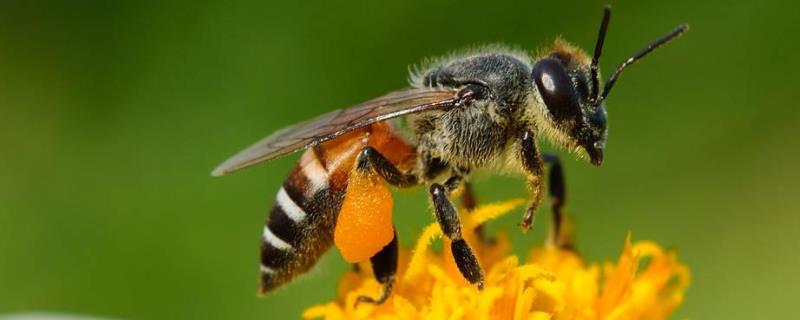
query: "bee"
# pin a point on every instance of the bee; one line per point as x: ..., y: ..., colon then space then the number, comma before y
x: 480, y: 110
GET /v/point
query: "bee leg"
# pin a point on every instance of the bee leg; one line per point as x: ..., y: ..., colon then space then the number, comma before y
x: 468, y: 199
x: 371, y: 159
x: 384, y: 266
x: 450, y: 223
x: 534, y: 168
x: 469, y: 202
x: 467, y: 196
x: 457, y: 180
x: 558, y: 196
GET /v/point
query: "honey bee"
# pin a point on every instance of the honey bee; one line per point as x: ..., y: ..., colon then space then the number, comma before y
x: 479, y: 110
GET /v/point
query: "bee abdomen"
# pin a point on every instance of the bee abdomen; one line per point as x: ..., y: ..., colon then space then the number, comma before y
x: 300, y: 224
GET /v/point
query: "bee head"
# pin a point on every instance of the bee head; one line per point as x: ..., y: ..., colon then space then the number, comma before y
x: 566, y: 81
x: 563, y: 82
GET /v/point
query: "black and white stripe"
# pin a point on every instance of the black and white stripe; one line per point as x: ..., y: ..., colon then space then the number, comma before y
x: 290, y: 207
x: 315, y: 172
x: 300, y: 224
x: 283, y: 231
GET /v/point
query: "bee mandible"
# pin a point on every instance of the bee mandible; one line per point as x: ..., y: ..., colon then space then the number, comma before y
x: 483, y: 109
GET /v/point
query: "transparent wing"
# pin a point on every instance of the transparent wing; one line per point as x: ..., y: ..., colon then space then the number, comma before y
x: 336, y: 123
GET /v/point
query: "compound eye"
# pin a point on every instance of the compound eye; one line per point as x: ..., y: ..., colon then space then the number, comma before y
x: 556, y: 88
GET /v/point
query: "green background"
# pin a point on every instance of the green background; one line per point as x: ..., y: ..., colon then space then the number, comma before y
x: 112, y: 115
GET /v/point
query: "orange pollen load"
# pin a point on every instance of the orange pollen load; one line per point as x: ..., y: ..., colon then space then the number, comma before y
x: 364, y: 225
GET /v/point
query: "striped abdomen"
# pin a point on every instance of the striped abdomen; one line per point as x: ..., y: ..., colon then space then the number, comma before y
x: 301, y: 224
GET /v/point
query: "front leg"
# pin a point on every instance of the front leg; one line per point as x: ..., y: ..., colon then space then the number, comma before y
x: 558, y: 196
x: 533, y: 165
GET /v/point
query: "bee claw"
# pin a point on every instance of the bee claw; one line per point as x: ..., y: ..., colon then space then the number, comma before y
x: 387, y: 290
x: 370, y: 300
x: 527, y: 220
x: 361, y: 299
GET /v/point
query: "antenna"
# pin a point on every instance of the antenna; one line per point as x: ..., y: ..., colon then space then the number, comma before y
x: 598, y: 50
x: 637, y: 56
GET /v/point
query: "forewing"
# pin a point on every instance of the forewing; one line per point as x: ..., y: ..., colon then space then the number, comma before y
x: 336, y: 123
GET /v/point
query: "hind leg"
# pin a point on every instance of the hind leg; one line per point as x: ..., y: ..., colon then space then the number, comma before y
x: 384, y: 266
x: 384, y: 262
x: 370, y: 160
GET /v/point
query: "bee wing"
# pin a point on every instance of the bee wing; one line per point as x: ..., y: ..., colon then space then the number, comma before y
x: 336, y: 123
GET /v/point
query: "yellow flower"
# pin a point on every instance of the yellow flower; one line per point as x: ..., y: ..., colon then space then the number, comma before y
x: 646, y: 282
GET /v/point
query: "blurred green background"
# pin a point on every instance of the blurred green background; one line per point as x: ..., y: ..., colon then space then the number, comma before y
x: 112, y: 115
